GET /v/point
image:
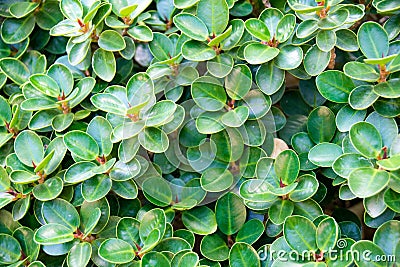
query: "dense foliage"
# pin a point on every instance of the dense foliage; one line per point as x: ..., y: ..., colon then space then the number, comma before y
x: 184, y: 133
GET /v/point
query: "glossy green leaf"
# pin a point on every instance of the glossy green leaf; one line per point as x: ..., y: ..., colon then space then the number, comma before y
x: 366, y: 139
x: 116, y: 251
x: 29, y: 148
x: 111, y: 40
x: 367, y: 35
x: 104, y: 64
x: 316, y: 60
x: 230, y: 213
x: 81, y: 144
x: 257, y: 53
x: 287, y: 167
x: 321, y: 125
x: 366, y: 181
x: 243, y: 254
x: 192, y: 26
x: 200, y: 220
x: 52, y: 234
x: 215, y: 14
x: 197, y: 51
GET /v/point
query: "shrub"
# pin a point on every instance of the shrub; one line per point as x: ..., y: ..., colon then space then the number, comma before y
x: 199, y: 133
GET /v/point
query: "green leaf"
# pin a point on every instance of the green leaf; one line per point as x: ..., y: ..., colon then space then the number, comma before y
x: 214, y: 248
x: 96, y: 187
x: 326, y: 40
x: 116, y: 251
x: 334, y: 19
x: 197, y: 51
x: 79, y: 52
x: 366, y: 139
x: 236, y: 117
x: 23, y: 177
x: 258, y: 29
x: 362, y: 97
x: 72, y: 9
x: 304, y: 6
x: 243, y: 255
x: 15, y: 70
x: 346, y: 40
x: 324, y: 154
x: 189, y: 259
x: 238, y: 82
x: 128, y: 230
x: 100, y: 129
x: 285, y: 27
x: 112, y: 41
x: 334, y: 86
x: 383, y: 234
x: 216, y: 179
x: 20, y: 208
x: 141, y: 33
x: 79, y: 172
x: 62, y: 76
x: 161, y: 195
x: 250, y: 232
x: 321, y: 125
x: 230, y: 213
x: 367, y: 259
x: 220, y: 66
x: 287, y: 167
x: 50, y: 189
x: 290, y: 57
x: 257, y: 53
x: 81, y: 144
x: 200, y: 220
x: 61, y: 212
x: 361, y: 71
x: 104, y: 65
x: 269, y: 78
x: 52, y: 234
x: 391, y: 198
x: 348, y: 162
x: 62, y: 121
x: 390, y: 164
x: 316, y: 60
x: 182, y: 4
x: 192, y: 26
x: 365, y: 182
x: 300, y: 234
x: 154, y: 140
x: 161, y: 47
x: 280, y: 210
x: 347, y: 116
x: 20, y: 10
x: 306, y: 28
x: 79, y: 255
x: 10, y: 249
x: 208, y: 93
x: 29, y: 148
x: 109, y: 103
x: 327, y: 234
x: 151, y: 258
x: 160, y: 113
x: 307, y: 187
x: 389, y: 89
x: 367, y: 35
x: 215, y: 14
x: 16, y: 30
x: 153, y: 219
